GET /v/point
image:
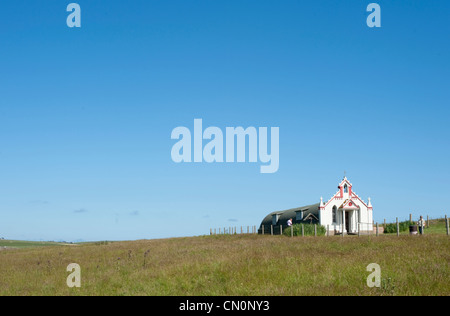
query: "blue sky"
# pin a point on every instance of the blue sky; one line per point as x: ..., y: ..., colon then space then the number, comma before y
x: 86, y: 114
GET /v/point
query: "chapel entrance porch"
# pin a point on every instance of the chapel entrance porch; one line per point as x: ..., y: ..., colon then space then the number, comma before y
x: 349, y: 224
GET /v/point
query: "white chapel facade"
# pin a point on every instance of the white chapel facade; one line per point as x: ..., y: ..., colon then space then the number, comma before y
x: 346, y: 210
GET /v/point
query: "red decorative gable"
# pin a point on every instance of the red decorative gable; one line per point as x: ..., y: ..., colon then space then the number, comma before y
x: 349, y: 204
x: 339, y: 196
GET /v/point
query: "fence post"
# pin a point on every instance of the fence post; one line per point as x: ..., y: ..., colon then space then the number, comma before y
x: 377, y: 229
x: 303, y: 231
x: 398, y: 228
x: 446, y: 223
x: 292, y: 231
x: 271, y: 230
x: 315, y: 230
x: 359, y: 229
x: 262, y: 229
x: 281, y: 229
x: 328, y: 230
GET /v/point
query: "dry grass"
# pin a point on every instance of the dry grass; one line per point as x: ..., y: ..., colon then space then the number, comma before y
x: 234, y: 265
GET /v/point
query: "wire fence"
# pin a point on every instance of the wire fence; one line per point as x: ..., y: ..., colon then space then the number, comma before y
x: 428, y: 225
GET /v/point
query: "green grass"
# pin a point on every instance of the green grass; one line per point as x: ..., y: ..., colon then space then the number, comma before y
x: 26, y: 244
x: 234, y: 265
x: 308, y: 230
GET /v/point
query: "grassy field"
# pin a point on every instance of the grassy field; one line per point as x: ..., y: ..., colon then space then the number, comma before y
x: 234, y: 265
x: 26, y: 244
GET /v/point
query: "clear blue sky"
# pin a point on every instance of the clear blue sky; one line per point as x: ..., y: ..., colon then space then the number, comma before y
x: 86, y: 114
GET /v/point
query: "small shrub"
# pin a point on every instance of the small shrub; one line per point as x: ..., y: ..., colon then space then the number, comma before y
x: 388, y: 286
x: 402, y: 226
x: 308, y: 230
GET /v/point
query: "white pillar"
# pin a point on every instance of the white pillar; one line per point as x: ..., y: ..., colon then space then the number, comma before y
x: 343, y: 221
x: 350, y: 221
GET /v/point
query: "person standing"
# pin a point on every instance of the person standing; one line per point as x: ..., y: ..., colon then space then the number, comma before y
x: 421, y: 224
x: 289, y: 222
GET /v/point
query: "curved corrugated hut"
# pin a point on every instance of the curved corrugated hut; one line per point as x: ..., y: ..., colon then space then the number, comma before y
x: 274, y: 221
